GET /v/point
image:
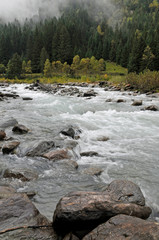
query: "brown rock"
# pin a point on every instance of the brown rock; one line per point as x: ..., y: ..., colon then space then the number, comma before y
x: 22, y: 174
x: 21, y: 129
x: 70, y: 236
x: 94, y: 171
x: 120, y: 101
x: 6, y: 191
x: 123, y: 227
x: 137, y: 103
x: 151, y: 108
x: 21, y: 220
x: 2, y: 135
x: 9, y: 147
x: 86, y: 210
x: 57, y: 155
x: 125, y: 191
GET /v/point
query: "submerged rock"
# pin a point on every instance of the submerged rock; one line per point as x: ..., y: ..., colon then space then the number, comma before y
x: 89, y: 154
x: 57, y: 155
x: 2, y: 135
x: 21, y: 129
x: 83, y: 211
x: 9, y: 123
x: 6, y: 191
x: 9, y: 147
x: 94, y: 171
x: 22, y: 174
x: 120, y: 101
x: 125, y: 227
x: 40, y: 148
x: 27, y: 98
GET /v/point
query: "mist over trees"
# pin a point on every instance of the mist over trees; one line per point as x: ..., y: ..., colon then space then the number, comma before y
x: 133, y: 42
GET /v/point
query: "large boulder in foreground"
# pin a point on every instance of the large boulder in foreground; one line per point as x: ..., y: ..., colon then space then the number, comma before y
x: 21, y: 220
x: 79, y: 211
x: 125, y: 227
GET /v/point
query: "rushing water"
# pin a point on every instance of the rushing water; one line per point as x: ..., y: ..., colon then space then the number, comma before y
x: 132, y: 151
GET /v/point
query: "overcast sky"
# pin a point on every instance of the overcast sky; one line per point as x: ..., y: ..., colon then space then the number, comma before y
x: 22, y: 9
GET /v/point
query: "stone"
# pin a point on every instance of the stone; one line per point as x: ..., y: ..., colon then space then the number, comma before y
x: 2, y: 135
x: 40, y: 148
x: 22, y: 174
x: 90, y: 93
x: 79, y: 211
x: 6, y: 191
x: 21, y: 220
x: 125, y: 227
x: 109, y: 100
x: 20, y: 129
x: 27, y: 98
x: 89, y: 154
x: 9, y: 123
x: 70, y: 236
x: 9, y: 147
x: 57, y: 155
x: 120, y: 101
x: 69, y: 132
x: 137, y: 103
x: 94, y: 171
x: 103, y: 139
x: 151, y: 108
x: 125, y: 191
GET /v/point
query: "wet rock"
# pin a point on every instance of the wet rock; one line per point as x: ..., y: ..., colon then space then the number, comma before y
x: 125, y: 191
x: 103, y: 139
x: 6, y: 191
x: 90, y: 93
x: 21, y: 220
x: 57, y: 155
x: 71, y: 163
x: 125, y: 227
x: 120, y: 101
x: 41, y: 148
x: 2, y: 135
x: 89, y: 154
x: 94, y: 171
x: 79, y: 211
x: 22, y: 174
x: 21, y: 129
x: 109, y: 100
x: 137, y: 103
x: 8, y: 123
x: 151, y: 108
x: 69, y: 132
x: 9, y: 147
x: 27, y: 98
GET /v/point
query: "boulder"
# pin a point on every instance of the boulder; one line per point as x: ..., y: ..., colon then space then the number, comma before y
x: 57, y: 155
x: 83, y: 211
x: 9, y: 147
x: 21, y: 129
x: 90, y: 93
x: 69, y: 132
x: 89, y: 154
x: 22, y: 174
x: 120, y: 101
x: 125, y: 227
x: 109, y: 100
x: 70, y: 236
x: 6, y: 191
x: 151, y: 108
x: 103, y: 139
x: 137, y: 103
x: 40, y: 148
x: 8, y: 123
x: 21, y: 220
x: 125, y: 191
x: 2, y: 135
x: 94, y: 171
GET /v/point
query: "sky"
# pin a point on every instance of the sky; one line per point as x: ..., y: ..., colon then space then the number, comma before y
x: 22, y: 9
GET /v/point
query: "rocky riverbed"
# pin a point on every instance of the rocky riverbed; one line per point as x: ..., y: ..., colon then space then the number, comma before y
x: 60, y: 139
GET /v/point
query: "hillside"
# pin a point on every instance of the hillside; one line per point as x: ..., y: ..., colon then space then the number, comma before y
x: 127, y: 34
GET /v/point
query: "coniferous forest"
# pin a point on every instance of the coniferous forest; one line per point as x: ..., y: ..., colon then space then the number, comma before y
x: 128, y: 36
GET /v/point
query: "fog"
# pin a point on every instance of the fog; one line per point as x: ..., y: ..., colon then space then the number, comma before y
x: 22, y: 9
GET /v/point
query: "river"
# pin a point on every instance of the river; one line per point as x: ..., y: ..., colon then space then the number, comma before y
x: 132, y: 151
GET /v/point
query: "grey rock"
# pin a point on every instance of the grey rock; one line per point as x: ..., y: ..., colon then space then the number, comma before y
x: 20, y: 129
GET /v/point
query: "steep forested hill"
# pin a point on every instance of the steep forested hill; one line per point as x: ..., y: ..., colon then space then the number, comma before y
x: 127, y: 34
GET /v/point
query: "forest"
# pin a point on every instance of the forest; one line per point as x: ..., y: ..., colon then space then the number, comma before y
x: 129, y: 36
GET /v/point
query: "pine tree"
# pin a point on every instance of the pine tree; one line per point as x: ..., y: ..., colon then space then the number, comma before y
x: 14, y: 67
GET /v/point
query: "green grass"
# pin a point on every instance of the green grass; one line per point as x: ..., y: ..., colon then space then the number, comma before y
x: 114, y: 69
